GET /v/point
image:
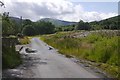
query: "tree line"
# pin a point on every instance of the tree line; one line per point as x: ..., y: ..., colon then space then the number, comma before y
x: 29, y: 28
x: 37, y: 28
x: 108, y: 24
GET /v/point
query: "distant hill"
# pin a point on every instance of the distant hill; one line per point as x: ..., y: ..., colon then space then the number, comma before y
x: 107, y: 23
x: 112, y: 19
x: 110, y: 23
x: 57, y: 22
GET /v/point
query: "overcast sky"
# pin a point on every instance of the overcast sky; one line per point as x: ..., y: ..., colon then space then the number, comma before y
x: 69, y: 10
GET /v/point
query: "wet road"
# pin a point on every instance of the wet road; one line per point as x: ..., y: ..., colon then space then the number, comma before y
x: 47, y: 63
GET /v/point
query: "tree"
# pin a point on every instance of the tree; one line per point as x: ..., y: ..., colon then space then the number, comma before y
x: 27, y: 22
x: 44, y: 27
x: 82, y: 26
x: 17, y: 27
x: 113, y: 26
x: 8, y: 27
x: 58, y: 29
x: 29, y: 30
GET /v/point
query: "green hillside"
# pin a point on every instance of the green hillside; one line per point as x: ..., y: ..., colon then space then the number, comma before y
x: 110, y: 23
x: 57, y: 22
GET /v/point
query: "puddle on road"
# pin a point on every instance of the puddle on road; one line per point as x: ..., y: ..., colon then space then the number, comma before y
x: 29, y: 62
x: 12, y: 73
x: 28, y: 50
x: 33, y: 62
x: 43, y: 62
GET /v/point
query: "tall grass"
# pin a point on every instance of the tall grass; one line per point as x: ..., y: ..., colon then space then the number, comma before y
x: 95, y: 47
x: 10, y: 58
x: 24, y: 40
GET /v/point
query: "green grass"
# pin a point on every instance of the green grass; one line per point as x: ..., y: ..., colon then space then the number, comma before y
x: 24, y: 40
x: 99, y: 48
x: 10, y: 58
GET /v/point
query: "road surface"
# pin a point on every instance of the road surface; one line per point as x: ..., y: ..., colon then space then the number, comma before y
x: 47, y: 63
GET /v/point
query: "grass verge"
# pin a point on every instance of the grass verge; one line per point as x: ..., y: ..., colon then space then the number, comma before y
x: 99, y: 48
x: 10, y: 58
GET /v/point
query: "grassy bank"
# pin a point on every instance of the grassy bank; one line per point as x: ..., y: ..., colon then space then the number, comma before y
x: 10, y: 58
x: 99, y: 48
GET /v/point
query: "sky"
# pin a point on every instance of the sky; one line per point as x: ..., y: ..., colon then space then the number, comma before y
x: 68, y: 10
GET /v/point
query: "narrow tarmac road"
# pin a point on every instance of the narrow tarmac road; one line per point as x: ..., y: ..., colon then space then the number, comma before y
x: 49, y: 64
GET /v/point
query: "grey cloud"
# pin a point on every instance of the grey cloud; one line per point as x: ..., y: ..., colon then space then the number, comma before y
x: 67, y: 11
x: 20, y: 9
x: 42, y: 10
x: 23, y: 8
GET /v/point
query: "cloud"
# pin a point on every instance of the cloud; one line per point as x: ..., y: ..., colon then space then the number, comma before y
x: 60, y: 9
